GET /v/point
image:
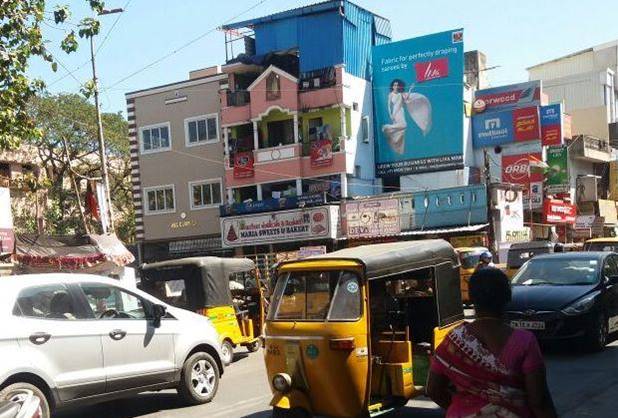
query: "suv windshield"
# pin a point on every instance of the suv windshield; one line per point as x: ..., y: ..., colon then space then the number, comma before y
x: 602, y: 246
x: 316, y: 296
x: 558, y: 272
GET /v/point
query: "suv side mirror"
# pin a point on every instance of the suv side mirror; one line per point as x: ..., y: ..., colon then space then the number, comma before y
x: 158, y: 312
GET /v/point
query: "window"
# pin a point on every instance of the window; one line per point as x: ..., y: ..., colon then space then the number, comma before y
x: 49, y: 301
x: 273, y: 87
x: 160, y: 199
x: 201, y: 129
x: 317, y: 296
x: 109, y: 302
x: 155, y: 138
x: 280, y: 133
x: 365, y: 129
x: 314, y: 125
x: 205, y: 193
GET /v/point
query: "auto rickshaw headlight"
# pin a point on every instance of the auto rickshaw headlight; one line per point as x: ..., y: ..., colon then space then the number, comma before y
x: 282, y: 382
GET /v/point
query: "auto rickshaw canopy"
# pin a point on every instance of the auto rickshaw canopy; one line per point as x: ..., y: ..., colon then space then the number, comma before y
x: 389, y: 259
x: 213, y: 273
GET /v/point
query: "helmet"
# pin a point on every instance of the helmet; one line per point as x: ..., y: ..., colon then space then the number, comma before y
x: 486, y: 256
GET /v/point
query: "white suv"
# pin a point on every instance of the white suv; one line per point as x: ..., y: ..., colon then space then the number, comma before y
x: 76, y: 338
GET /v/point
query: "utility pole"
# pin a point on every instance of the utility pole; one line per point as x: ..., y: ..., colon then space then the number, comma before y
x: 487, y: 174
x: 101, y: 138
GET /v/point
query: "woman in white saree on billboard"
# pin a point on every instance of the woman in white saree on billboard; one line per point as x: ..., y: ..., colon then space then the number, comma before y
x: 417, y: 105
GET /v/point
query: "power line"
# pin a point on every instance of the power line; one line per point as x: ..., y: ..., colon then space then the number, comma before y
x: 191, y: 42
x: 112, y: 27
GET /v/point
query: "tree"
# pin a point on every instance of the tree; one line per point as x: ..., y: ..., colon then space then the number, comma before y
x: 20, y: 39
x: 71, y: 118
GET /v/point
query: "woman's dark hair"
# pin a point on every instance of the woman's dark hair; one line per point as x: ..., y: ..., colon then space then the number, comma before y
x: 401, y: 83
x: 490, y: 290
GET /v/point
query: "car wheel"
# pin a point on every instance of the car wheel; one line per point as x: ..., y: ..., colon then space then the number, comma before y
x: 253, y: 347
x: 199, y: 379
x: 227, y: 352
x: 596, y: 340
x: 290, y: 413
x: 20, y: 392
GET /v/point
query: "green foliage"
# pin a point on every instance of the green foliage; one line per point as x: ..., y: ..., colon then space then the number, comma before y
x: 71, y: 118
x: 21, y: 39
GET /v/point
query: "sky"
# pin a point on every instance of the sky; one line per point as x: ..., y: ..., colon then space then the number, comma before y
x: 156, y: 42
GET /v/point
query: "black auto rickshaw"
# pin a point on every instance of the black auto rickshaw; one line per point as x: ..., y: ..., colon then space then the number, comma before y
x: 204, y: 285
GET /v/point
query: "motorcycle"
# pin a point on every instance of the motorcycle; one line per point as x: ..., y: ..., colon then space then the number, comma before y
x: 24, y: 405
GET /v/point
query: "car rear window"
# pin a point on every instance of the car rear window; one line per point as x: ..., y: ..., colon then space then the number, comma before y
x: 52, y: 301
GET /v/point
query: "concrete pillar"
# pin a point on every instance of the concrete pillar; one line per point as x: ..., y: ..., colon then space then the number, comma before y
x: 296, y: 128
x: 256, y: 138
x: 259, y: 191
x: 344, y: 185
x: 230, y: 196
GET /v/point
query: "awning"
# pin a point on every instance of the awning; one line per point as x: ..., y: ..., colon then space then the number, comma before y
x: 100, y: 254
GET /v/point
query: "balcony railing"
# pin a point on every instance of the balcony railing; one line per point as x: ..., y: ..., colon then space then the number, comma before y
x: 238, y: 98
x: 318, y: 79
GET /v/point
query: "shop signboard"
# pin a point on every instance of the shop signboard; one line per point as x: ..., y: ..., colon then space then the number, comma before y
x: 305, y: 252
x: 475, y: 240
x: 321, y: 153
x: 509, y: 97
x: 496, y: 128
x: 7, y: 235
x: 551, y: 124
x: 533, y: 195
x: 517, y: 235
x: 509, y: 203
x: 243, y: 165
x: 418, y: 96
x: 557, y: 179
x: 516, y: 169
x: 372, y: 218
x: 268, y: 205
x: 285, y: 226
x: 589, y: 225
x: 559, y: 212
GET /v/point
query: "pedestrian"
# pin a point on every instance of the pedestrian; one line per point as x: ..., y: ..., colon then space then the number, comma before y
x: 485, y: 260
x: 486, y: 368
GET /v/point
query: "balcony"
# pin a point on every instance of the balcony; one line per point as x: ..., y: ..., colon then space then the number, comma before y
x: 235, y: 107
x: 589, y: 148
x: 321, y: 88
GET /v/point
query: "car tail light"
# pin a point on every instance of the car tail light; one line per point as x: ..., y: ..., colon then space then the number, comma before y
x: 342, y: 344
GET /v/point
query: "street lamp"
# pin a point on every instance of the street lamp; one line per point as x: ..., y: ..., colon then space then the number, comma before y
x: 101, y: 138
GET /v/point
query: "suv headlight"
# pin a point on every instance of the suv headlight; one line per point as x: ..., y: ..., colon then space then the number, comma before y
x: 282, y: 382
x: 581, y: 306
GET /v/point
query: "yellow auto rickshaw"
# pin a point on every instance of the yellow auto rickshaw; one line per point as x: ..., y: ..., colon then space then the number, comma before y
x: 602, y: 244
x: 204, y: 285
x: 469, y: 260
x: 350, y: 333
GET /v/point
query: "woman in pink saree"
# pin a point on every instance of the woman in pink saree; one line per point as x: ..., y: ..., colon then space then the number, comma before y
x: 486, y: 369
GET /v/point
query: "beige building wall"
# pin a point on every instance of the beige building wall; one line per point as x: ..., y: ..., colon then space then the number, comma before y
x: 590, y: 121
x: 183, y: 163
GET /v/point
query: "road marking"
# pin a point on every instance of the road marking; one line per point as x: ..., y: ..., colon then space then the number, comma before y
x: 247, y: 402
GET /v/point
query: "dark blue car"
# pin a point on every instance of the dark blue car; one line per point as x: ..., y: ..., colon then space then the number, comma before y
x: 567, y: 296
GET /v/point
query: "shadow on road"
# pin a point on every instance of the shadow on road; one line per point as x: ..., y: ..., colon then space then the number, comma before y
x: 135, y: 406
x: 407, y: 411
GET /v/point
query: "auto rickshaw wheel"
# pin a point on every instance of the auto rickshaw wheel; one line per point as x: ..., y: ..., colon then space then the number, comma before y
x: 290, y: 413
x: 227, y: 352
x: 253, y: 347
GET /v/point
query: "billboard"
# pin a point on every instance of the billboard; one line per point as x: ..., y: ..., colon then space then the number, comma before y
x: 551, y: 124
x: 372, y: 218
x: 7, y: 236
x: 557, y: 172
x: 418, y: 96
x: 508, y: 97
x: 516, y: 170
x: 558, y: 211
x: 497, y: 128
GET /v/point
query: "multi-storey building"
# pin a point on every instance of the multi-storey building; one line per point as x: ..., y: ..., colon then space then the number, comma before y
x: 297, y: 118
x: 177, y: 166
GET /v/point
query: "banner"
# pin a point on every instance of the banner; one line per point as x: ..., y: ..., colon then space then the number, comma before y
x: 372, y: 218
x: 516, y: 169
x: 496, y: 128
x: 559, y: 212
x: 321, y: 153
x: 508, y: 97
x: 557, y: 179
x: 418, y: 96
x: 243, y: 165
x: 551, y: 124
x: 7, y: 236
x: 291, y: 225
x: 103, y: 209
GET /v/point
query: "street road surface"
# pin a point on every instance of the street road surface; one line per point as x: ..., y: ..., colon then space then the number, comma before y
x: 583, y: 385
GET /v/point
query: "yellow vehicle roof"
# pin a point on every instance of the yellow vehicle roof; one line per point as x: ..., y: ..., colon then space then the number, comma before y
x: 470, y: 249
x: 606, y: 239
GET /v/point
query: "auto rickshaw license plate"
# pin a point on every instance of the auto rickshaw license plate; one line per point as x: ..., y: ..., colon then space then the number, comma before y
x: 535, y: 325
